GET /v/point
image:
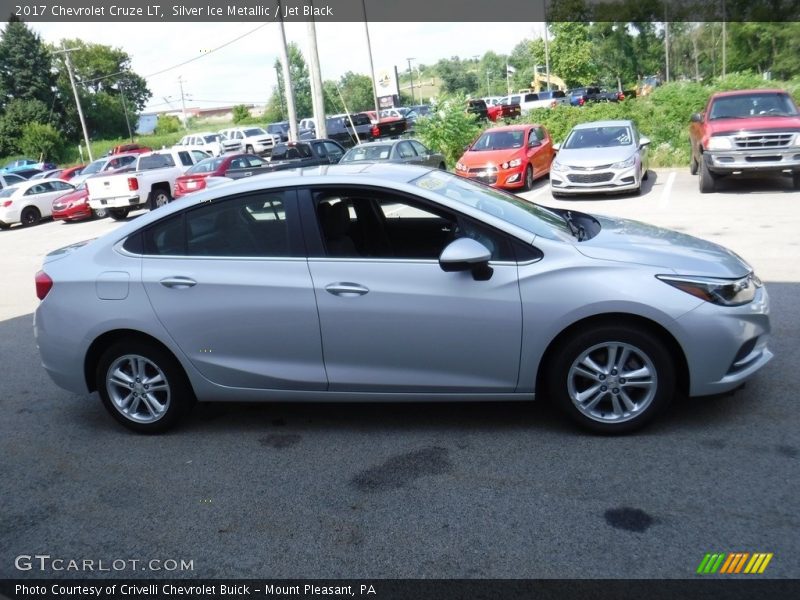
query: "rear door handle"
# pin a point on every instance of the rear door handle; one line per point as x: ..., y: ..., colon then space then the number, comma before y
x: 346, y: 289
x: 178, y: 282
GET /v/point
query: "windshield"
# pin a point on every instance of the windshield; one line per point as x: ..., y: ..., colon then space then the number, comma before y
x: 507, y: 207
x: 205, y: 166
x: 254, y: 131
x: 379, y: 152
x: 211, y: 138
x: 598, y: 137
x: 499, y: 140
x: 753, y: 105
x: 93, y: 167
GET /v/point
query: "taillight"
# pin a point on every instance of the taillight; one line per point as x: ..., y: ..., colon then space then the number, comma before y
x: 133, y: 184
x: 620, y: 96
x: 581, y: 102
x: 43, y: 284
x: 553, y: 104
x: 7, y: 203
x: 376, y: 132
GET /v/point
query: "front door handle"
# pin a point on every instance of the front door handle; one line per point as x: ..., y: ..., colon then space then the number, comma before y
x: 178, y: 282
x: 346, y: 289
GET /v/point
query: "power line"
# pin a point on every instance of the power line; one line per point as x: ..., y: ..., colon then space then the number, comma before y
x: 186, y: 62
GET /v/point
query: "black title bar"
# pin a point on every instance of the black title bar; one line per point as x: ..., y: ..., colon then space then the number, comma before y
x: 129, y: 11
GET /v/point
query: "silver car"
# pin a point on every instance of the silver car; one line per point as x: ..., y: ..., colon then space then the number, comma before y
x: 380, y: 282
x: 410, y: 152
x: 601, y: 156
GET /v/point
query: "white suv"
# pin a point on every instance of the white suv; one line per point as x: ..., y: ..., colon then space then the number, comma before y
x: 253, y: 140
x: 204, y: 141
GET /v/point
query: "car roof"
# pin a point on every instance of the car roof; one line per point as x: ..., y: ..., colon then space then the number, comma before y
x: 593, y: 124
x: 377, y: 143
x: 748, y: 92
x: 522, y: 127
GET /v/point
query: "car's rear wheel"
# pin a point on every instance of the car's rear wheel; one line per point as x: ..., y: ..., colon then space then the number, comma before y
x: 442, y: 167
x: 30, y: 216
x: 611, y: 379
x: 528, y: 178
x: 100, y: 213
x: 143, y: 386
x: 159, y: 197
x: 708, y: 180
x: 118, y: 214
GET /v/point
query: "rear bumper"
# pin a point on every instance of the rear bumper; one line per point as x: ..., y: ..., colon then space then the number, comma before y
x: 767, y: 160
x: 116, y: 202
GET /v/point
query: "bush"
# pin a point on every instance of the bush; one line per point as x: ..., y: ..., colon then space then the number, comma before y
x: 448, y: 128
x: 42, y: 142
x: 167, y: 124
x: 240, y: 113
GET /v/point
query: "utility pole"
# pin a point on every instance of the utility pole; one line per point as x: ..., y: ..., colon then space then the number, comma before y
x: 317, y: 96
x: 280, y: 91
x: 371, y: 66
x: 724, y: 41
x: 488, y: 89
x: 411, y: 75
x: 125, y: 108
x: 183, y: 104
x: 66, y: 52
x: 666, y: 41
x: 287, y: 82
x: 546, y: 54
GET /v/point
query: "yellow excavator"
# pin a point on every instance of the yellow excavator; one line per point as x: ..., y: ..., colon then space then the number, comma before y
x: 539, y: 82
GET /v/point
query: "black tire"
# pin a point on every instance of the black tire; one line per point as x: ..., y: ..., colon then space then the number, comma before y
x: 30, y: 216
x: 694, y: 166
x: 796, y: 180
x: 4, y: 226
x: 442, y: 167
x: 528, y: 185
x: 176, y: 400
x: 708, y: 180
x: 159, y: 197
x: 647, y: 402
x: 119, y: 214
x: 99, y: 213
x: 645, y: 174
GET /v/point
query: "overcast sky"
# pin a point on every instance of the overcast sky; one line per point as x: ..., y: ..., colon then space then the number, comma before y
x: 243, y: 71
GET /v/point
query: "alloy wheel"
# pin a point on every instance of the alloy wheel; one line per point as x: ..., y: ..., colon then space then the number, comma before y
x: 138, y: 388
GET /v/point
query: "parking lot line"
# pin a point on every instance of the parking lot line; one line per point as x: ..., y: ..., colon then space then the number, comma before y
x: 663, y: 201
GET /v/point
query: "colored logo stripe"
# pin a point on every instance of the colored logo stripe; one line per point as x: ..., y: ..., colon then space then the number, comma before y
x: 734, y: 562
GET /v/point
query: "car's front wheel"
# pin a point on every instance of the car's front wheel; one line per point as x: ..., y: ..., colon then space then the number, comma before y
x: 528, y: 178
x: 708, y: 180
x: 611, y: 379
x: 143, y: 386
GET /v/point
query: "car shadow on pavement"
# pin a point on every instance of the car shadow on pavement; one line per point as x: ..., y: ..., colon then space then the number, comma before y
x: 753, y: 184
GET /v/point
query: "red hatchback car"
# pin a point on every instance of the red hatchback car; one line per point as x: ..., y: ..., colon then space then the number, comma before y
x: 509, y: 157
x: 74, y: 206
x: 195, y: 178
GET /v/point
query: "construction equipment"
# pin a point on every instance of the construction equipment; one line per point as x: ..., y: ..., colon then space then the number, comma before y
x: 539, y: 82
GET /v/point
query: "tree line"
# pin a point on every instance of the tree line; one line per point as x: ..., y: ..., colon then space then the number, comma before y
x: 38, y: 114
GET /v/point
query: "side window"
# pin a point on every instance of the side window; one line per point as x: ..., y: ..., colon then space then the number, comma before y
x: 199, y: 155
x: 333, y: 150
x: 320, y: 149
x: 186, y: 158
x: 421, y: 149
x: 245, y: 226
x: 405, y: 150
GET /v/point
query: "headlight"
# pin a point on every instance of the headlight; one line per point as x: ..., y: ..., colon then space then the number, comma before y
x: 511, y: 164
x: 719, y: 143
x: 460, y: 167
x: 624, y: 164
x: 725, y: 292
x: 556, y: 166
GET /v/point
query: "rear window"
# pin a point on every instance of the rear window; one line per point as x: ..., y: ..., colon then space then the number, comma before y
x: 286, y: 152
x: 254, y: 131
x: 360, y: 119
x: 156, y: 161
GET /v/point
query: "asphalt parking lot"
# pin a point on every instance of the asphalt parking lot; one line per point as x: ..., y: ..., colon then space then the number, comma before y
x: 443, y: 490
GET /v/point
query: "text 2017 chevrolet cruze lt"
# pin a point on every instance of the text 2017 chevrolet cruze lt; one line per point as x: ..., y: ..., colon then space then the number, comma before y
x: 386, y: 282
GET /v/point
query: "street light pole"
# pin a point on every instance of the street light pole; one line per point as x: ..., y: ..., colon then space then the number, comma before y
x: 371, y: 66
x: 66, y: 52
x: 411, y: 75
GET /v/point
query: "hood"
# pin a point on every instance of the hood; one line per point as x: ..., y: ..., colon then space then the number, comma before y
x: 483, y: 158
x: 593, y: 157
x: 720, y: 126
x: 624, y: 240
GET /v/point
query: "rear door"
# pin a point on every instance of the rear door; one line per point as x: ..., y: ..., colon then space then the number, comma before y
x: 230, y: 283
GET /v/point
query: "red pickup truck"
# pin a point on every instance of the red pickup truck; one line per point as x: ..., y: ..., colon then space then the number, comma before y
x: 746, y: 131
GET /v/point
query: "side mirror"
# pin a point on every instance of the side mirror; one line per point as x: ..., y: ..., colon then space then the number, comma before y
x: 466, y: 254
x: 696, y: 118
x: 643, y: 141
x: 557, y: 147
x: 534, y: 143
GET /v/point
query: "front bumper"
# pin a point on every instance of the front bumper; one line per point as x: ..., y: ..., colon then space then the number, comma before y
x: 729, y: 161
x: 73, y: 213
x: 725, y: 346
x: 498, y: 178
x: 605, y: 180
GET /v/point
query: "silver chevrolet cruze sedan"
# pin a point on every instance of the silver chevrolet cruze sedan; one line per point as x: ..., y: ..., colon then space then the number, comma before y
x: 394, y: 283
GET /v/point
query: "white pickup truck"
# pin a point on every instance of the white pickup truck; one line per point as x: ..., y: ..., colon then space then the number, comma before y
x: 531, y: 100
x: 149, y: 185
